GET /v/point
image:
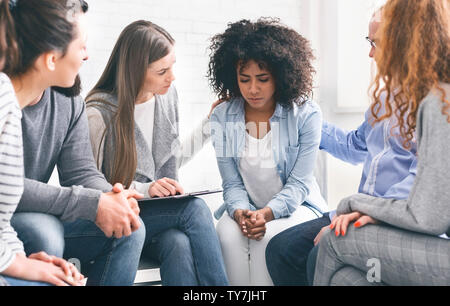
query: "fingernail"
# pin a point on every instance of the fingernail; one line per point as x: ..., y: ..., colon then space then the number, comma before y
x: 336, y: 233
x: 331, y: 226
x: 343, y: 233
x: 358, y: 224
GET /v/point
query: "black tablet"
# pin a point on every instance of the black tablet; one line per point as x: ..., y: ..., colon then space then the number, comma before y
x: 182, y: 196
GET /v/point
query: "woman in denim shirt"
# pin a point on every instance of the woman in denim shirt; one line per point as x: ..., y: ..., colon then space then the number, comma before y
x: 266, y: 138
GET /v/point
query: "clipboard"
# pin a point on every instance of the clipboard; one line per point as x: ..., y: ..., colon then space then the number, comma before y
x: 180, y: 196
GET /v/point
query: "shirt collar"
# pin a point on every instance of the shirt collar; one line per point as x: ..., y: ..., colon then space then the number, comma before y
x: 237, y: 107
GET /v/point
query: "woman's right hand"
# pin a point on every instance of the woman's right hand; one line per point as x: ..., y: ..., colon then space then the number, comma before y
x: 165, y: 187
x: 36, y: 269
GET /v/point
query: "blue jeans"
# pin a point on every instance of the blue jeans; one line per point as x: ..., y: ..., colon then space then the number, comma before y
x: 11, y: 281
x: 181, y: 236
x: 288, y: 254
x: 106, y: 261
x: 311, y: 264
x: 39, y: 232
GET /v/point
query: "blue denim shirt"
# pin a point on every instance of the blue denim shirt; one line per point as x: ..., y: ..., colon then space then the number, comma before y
x: 389, y: 169
x: 295, y: 141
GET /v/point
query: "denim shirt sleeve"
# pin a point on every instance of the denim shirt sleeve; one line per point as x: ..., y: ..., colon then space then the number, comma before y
x: 234, y: 193
x: 350, y: 146
x: 298, y: 183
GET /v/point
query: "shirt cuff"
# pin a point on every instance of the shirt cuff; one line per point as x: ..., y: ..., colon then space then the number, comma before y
x: 331, y: 215
x: 279, y: 209
x: 88, y: 204
x: 9, y: 254
x: 143, y: 188
x: 232, y: 208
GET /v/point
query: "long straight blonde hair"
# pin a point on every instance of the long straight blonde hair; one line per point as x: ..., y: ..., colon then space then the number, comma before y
x: 140, y: 44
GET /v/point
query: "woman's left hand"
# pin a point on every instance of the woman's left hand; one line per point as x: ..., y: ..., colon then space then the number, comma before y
x: 340, y: 223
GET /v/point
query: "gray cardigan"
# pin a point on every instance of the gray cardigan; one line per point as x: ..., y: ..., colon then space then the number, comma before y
x: 427, y: 210
x: 162, y: 160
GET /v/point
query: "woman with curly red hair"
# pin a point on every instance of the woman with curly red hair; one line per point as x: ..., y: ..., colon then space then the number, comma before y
x: 407, y: 245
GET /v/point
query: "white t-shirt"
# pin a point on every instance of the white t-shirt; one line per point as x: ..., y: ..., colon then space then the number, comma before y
x: 144, y: 115
x: 259, y: 171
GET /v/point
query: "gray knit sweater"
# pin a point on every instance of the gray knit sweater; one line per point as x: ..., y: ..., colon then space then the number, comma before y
x: 427, y: 210
x: 56, y: 133
x: 161, y: 160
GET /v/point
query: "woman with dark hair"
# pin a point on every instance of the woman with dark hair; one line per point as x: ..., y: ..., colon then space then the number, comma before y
x: 133, y: 119
x: 266, y: 138
x: 402, y: 242
x: 15, y: 267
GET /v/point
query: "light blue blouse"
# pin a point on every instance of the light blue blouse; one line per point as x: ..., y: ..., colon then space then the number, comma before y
x: 389, y: 169
x: 296, y: 134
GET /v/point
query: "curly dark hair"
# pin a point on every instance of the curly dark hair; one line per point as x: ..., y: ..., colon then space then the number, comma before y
x: 279, y: 49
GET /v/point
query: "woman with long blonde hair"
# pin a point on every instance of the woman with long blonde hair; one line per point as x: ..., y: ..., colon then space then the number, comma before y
x: 405, y: 242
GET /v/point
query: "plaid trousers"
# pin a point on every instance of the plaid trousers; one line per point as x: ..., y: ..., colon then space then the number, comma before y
x: 382, y: 255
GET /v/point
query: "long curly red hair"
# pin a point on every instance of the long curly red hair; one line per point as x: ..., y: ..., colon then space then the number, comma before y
x: 413, y: 57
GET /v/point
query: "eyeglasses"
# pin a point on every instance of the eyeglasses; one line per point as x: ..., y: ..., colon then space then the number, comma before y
x: 372, y: 43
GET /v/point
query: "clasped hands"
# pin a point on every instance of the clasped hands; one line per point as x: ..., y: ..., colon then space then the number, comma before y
x: 118, y: 210
x: 253, y: 223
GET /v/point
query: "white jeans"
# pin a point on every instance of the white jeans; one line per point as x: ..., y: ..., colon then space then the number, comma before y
x: 245, y: 259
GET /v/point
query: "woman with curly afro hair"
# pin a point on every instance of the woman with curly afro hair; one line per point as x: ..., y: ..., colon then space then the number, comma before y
x: 266, y: 138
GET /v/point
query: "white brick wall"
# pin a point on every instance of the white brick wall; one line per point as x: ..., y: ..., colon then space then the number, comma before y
x: 191, y: 23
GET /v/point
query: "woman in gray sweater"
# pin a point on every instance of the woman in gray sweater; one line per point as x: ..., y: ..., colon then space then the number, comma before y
x: 406, y: 241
